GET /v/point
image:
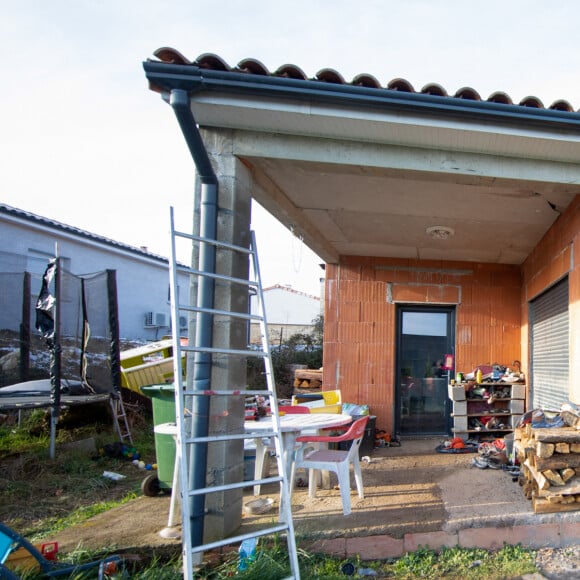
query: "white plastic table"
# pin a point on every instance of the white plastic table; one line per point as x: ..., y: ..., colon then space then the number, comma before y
x: 292, y: 425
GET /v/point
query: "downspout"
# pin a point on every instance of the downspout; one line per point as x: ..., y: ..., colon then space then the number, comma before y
x: 179, y: 101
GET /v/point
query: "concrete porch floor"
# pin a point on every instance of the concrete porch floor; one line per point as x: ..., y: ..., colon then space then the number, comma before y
x: 414, y: 497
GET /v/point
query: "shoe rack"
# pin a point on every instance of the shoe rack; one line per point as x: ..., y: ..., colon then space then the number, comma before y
x: 487, y: 409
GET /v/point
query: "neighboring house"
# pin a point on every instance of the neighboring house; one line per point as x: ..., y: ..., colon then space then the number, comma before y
x: 288, y: 312
x: 28, y: 242
x: 449, y: 224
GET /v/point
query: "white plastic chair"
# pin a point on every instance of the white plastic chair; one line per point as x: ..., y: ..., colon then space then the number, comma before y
x: 265, y: 447
x: 309, y: 456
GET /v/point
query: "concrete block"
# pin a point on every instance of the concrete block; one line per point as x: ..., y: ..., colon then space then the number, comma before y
x: 460, y: 423
x: 333, y: 547
x: 517, y: 407
x: 514, y: 420
x: 518, y: 391
x: 432, y: 540
x: 375, y: 547
x: 570, y: 533
x: 531, y: 536
x: 456, y: 392
x: 459, y: 408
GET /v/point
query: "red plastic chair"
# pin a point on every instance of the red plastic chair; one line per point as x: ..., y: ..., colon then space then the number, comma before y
x: 296, y: 409
x: 312, y: 458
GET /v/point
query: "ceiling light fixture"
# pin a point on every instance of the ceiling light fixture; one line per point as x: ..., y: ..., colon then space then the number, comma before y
x: 440, y: 232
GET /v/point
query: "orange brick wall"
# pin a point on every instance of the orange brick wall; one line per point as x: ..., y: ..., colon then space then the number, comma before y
x: 557, y: 255
x: 359, y: 337
x: 491, y: 312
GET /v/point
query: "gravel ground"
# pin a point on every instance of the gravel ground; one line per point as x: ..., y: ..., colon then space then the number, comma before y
x: 559, y: 563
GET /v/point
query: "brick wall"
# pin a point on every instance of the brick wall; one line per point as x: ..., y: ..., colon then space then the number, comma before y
x: 491, y: 312
x: 361, y: 298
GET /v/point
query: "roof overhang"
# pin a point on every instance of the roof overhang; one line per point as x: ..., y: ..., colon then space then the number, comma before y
x: 366, y: 171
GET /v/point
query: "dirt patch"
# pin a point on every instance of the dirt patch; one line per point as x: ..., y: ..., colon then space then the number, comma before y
x: 403, y: 494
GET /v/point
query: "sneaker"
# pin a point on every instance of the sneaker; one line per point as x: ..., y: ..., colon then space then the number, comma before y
x: 480, y: 462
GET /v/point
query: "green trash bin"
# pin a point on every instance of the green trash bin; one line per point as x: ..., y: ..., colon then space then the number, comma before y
x: 163, y: 402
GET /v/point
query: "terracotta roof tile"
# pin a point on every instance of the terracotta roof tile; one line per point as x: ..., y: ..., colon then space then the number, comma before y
x: 291, y: 71
x: 329, y: 75
x: 468, y: 93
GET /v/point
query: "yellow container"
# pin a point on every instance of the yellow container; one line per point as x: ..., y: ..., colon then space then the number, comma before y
x: 151, y: 364
x: 331, y: 401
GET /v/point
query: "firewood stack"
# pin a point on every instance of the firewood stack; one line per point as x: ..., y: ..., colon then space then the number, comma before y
x: 307, y: 380
x: 550, y: 459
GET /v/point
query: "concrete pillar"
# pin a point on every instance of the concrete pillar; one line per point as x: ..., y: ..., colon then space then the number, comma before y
x: 225, y: 460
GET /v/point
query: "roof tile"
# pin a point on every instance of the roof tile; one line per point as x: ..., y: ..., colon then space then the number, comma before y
x: 329, y: 75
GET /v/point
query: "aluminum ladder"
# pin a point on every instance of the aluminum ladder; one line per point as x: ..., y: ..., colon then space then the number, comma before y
x: 120, y: 420
x: 184, y: 402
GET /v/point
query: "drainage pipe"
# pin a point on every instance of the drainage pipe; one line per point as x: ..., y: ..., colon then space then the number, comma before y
x: 179, y: 101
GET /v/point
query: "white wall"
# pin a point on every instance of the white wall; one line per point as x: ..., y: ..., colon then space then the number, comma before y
x: 287, y: 306
x: 142, y: 281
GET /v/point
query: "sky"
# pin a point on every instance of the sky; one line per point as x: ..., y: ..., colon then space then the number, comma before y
x: 85, y: 142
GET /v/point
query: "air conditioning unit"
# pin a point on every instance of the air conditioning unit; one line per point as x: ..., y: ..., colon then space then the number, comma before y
x: 156, y: 319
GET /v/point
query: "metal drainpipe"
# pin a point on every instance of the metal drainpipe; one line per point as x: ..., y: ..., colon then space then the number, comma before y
x: 179, y: 101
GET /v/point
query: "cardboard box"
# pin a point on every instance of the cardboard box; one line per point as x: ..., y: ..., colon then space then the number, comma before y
x: 456, y: 392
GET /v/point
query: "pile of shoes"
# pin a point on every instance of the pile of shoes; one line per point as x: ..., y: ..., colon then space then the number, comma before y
x: 492, y: 455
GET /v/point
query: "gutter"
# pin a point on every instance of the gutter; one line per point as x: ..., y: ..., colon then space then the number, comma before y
x: 167, y: 77
x: 179, y: 101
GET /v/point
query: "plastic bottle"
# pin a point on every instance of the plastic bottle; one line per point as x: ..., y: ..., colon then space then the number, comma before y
x: 366, y: 572
x: 247, y: 553
x: 479, y: 376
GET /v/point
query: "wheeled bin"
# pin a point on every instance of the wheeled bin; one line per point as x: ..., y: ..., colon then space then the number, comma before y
x: 163, y: 402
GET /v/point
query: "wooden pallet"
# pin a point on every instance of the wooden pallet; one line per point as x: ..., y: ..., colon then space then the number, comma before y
x: 308, y: 379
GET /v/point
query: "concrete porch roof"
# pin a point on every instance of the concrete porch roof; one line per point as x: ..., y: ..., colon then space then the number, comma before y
x: 360, y: 170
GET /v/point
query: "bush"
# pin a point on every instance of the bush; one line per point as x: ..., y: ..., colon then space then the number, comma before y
x: 298, y: 349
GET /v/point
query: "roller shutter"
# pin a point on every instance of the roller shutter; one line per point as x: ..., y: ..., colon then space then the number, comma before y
x: 550, y: 348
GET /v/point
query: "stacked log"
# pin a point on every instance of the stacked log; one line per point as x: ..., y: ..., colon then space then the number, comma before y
x: 308, y: 379
x: 550, y: 459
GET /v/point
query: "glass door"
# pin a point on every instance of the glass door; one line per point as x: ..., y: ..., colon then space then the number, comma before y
x: 425, y: 335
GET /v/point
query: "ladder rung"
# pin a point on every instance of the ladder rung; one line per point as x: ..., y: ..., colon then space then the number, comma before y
x: 229, y: 486
x: 229, y: 437
x: 242, y: 315
x: 217, y: 243
x: 257, y: 353
x: 240, y: 538
x: 233, y: 392
x: 222, y: 277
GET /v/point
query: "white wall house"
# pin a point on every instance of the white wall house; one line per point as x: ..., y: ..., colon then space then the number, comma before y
x: 27, y: 242
x: 288, y: 312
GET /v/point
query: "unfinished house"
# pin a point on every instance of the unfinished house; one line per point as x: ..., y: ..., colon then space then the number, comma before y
x: 448, y: 222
